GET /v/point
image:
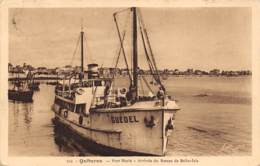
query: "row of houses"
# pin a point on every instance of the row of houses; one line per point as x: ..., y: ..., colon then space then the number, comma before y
x: 105, y: 71
x: 42, y: 70
x: 214, y: 72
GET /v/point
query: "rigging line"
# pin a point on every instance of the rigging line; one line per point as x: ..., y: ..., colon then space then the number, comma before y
x: 145, y: 49
x: 121, y: 49
x: 150, y: 49
x: 142, y: 87
x: 117, y: 60
x: 147, y: 84
x: 86, y: 54
x: 122, y: 46
x: 125, y: 25
x: 114, y: 73
x: 147, y: 38
x: 119, y: 53
x: 74, y: 53
x: 146, y: 53
x: 153, y: 60
x: 124, y: 33
x: 143, y: 40
x: 143, y: 31
x: 88, y: 48
x: 122, y: 10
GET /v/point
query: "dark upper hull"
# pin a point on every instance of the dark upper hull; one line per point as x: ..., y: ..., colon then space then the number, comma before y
x: 25, y: 96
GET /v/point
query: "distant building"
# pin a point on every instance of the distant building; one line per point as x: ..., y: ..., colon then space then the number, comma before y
x: 42, y: 70
x: 214, y: 72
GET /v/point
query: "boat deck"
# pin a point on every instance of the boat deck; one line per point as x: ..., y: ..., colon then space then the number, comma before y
x: 142, y: 106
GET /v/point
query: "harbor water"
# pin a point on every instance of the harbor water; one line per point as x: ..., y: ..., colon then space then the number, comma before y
x: 214, y: 120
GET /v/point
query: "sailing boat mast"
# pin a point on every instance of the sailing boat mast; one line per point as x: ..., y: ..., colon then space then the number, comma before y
x: 135, y: 58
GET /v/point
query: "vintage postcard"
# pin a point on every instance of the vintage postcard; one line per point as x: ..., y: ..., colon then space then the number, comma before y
x: 130, y: 83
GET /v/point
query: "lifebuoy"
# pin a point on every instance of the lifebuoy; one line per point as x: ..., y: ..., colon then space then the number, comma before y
x: 65, y: 114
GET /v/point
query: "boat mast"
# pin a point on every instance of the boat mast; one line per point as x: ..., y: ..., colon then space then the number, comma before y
x: 82, y: 50
x: 81, y: 74
x: 135, y: 58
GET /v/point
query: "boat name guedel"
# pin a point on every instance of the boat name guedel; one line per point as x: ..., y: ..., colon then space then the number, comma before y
x: 124, y: 119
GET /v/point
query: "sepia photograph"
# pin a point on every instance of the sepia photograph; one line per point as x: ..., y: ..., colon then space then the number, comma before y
x: 130, y: 81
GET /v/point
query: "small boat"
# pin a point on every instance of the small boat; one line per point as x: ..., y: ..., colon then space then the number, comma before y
x: 25, y: 96
x: 117, y: 120
x: 20, y: 92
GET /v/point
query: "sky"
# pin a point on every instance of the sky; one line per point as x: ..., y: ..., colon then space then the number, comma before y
x: 199, y: 38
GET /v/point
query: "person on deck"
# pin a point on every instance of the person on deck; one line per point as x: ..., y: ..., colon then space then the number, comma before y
x: 160, y: 93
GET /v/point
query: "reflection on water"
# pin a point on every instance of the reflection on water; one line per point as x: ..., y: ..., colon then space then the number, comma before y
x: 70, y: 143
x: 215, y: 119
x: 22, y: 109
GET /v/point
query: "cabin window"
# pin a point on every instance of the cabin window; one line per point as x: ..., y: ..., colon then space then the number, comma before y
x: 70, y: 107
x: 63, y: 104
x: 80, y: 108
x: 97, y: 83
x: 88, y: 84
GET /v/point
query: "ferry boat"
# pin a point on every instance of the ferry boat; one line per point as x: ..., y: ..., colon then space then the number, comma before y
x: 117, y: 120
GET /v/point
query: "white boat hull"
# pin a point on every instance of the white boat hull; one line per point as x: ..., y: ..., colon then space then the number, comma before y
x: 137, y: 131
